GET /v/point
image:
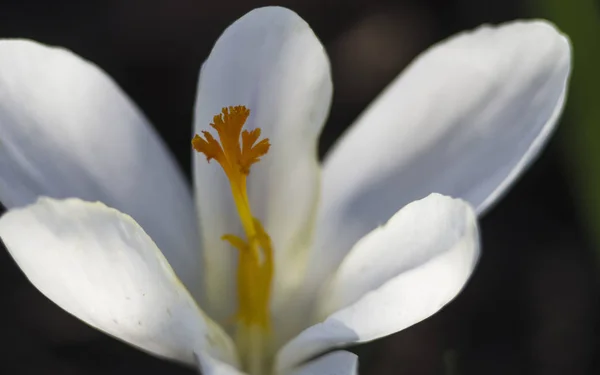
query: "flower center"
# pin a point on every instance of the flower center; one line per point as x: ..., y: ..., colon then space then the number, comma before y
x: 255, y: 261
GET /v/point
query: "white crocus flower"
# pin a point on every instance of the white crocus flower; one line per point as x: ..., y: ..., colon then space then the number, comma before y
x: 464, y: 120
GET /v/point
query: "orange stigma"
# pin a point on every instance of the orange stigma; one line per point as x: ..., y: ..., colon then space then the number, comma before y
x: 230, y: 153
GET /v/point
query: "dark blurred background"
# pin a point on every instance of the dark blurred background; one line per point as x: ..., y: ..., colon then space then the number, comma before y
x: 532, y: 304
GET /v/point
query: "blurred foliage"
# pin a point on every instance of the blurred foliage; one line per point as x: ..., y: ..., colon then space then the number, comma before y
x: 580, y: 20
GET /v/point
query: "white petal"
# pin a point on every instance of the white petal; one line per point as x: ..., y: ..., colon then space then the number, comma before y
x: 270, y: 61
x: 394, y: 277
x: 100, y: 266
x: 67, y: 130
x: 335, y: 363
x: 209, y: 365
x: 463, y: 120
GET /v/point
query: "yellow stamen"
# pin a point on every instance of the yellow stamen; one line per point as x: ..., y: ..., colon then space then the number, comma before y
x: 255, y: 264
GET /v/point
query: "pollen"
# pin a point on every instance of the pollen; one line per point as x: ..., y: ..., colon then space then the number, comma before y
x: 236, y: 151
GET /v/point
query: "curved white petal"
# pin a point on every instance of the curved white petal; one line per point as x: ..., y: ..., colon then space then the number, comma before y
x: 394, y: 277
x: 336, y: 363
x: 100, y: 266
x: 209, y: 365
x: 67, y: 130
x: 464, y: 120
x: 270, y: 61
